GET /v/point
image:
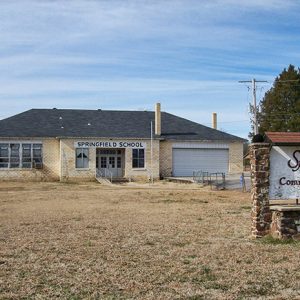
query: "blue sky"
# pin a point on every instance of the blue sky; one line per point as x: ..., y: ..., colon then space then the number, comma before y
x: 188, y: 55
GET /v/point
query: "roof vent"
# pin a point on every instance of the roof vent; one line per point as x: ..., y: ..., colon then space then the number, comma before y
x: 54, y: 108
x: 89, y: 124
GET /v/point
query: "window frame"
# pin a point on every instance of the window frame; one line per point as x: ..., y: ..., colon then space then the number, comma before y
x: 82, y: 158
x: 139, y: 159
x: 10, y: 158
x: 5, y: 157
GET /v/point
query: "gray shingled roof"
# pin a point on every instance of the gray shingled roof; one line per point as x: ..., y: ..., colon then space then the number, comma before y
x: 105, y: 123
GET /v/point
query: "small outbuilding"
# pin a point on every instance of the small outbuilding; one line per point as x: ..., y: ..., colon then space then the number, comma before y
x: 69, y: 144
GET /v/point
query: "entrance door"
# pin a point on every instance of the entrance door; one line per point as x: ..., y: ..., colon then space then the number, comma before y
x: 110, y: 162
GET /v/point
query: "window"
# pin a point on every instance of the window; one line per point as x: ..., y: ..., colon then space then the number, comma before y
x: 37, y: 156
x: 82, y: 158
x: 119, y: 162
x: 26, y: 156
x: 103, y: 162
x: 112, y: 161
x: 138, y: 158
x: 4, y: 156
x: 21, y: 155
x: 14, y: 156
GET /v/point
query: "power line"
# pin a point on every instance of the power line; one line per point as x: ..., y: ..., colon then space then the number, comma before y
x: 254, y: 81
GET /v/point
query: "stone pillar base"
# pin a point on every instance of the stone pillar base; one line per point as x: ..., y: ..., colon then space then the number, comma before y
x: 285, y: 222
x: 260, y: 166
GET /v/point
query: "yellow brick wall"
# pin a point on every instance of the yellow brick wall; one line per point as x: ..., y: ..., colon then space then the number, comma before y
x: 145, y: 173
x: 68, y: 169
x: 236, y: 158
x: 59, y: 162
x: 51, y: 164
x: 165, y: 159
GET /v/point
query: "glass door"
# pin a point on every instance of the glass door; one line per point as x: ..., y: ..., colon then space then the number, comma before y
x: 110, y: 160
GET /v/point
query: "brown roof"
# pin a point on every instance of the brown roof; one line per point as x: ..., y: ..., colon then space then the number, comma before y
x: 283, y: 137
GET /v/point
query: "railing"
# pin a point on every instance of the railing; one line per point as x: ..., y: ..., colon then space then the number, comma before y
x: 201, y: 177
x: 217, y: 178
x: 104, y: 174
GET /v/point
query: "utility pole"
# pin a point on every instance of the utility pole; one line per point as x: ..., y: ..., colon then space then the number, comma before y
x: 253, y: 82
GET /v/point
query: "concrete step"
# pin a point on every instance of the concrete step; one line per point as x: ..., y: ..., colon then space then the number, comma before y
x: 120, y: 180
x: 103, y: 180
x: 107, y: 181
x: 180, y: 179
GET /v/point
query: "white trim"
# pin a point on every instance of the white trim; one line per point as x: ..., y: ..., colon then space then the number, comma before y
x: 201, y: 145
x: 29, y: 141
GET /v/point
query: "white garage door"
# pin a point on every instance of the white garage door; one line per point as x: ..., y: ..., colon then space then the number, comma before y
x: 185, y: 161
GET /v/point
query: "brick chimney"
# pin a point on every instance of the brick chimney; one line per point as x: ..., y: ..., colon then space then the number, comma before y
x: 157, y: 119
x: 214, y: 120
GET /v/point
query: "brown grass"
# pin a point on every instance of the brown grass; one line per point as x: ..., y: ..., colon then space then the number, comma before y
x: 87, y: 241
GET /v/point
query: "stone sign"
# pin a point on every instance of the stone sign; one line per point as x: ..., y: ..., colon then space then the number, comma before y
x: 284, y: 172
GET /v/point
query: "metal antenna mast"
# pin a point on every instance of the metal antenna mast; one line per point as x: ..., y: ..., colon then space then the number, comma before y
x: 254, y: 81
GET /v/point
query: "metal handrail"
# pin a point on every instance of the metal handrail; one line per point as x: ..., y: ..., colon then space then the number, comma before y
x: 99, y: 173
x: 110, y: 174
x: 207, y: 177
x: 200, y: 176
x: 107, y: 174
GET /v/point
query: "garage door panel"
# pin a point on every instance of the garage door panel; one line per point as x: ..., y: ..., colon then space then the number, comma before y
x: 185, y: 161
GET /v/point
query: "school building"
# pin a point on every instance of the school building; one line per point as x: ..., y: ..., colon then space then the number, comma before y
x: 69, y: 144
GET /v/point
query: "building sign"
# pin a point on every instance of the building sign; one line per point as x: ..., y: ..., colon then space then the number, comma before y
x: 109, y: 144
x: 284, y: 173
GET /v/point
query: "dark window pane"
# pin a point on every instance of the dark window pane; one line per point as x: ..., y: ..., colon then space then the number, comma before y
x: 141, y: 163
x: 37, y: 152
x: 134, y: 153
x: 135, y: 163
x: 112, y: 161
x: 14, y: 150
x: 141, y: 153
x: 37, y: 159
x: 26, y: 159
x: 26, y: 165
x: 119, y: 165
x: 14, y: 165
x: 3, y: 150
x: 26, y: 151
x: 103, y: 162
x: 138, y: 158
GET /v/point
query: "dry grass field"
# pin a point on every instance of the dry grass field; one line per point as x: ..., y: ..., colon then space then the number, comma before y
x: 172, y: 241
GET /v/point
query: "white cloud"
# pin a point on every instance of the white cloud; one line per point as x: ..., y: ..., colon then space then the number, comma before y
x: 123, y: 50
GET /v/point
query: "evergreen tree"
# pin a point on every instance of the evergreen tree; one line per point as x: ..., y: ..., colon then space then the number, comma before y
x: 280, y: 107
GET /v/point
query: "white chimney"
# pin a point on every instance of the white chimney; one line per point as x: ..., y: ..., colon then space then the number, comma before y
x: 157, y: 119
x: 214, y: 120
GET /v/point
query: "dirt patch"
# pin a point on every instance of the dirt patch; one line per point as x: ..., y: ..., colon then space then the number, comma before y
x: 167, y: 241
